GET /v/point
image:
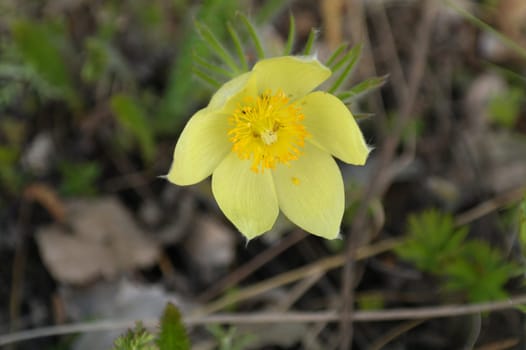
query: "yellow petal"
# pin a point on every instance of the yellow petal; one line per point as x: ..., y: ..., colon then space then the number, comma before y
x: 296, y: 76
x: 246, y: 198
x: 333, y: 127
x: 231, y: 92
x: 310, y: 192
x: 203, y: 144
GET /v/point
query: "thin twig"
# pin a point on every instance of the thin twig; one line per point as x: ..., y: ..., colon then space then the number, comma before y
x: 490, y: 205
x: 508, y: 343
x: 389, y: 50
x: 394, y: 333
x: 297, y: 292
x: 321, y: 265
x: 277, y: 317
x: 510, y: 43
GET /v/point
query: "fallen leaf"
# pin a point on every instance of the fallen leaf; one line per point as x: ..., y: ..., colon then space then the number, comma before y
x: 48, y: 198
x: 104, y: 241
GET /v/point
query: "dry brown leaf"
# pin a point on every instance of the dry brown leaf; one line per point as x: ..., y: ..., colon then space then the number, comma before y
x: 104, y: 241
x: 48, y: 198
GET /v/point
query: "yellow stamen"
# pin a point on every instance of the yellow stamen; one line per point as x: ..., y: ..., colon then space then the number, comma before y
x: 267, y: 129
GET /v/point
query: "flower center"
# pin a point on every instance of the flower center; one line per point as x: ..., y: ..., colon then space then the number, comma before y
x: 267, y: 129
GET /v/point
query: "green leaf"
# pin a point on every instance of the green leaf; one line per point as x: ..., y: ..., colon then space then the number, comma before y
x: 268, y: 9
x: 471, y: 268
x: 478, y: 271
x: 39, y: 47
x: 181, y: 96
x: 10, y: 177
x: 239, y: 47
x: 371, y: 301
x: 78, y: 179
x: 362, y: 88
x: 521, y: 308
x: 206, y: 78
x: 229, y: 338
x: 8, y: 156
x: 290, y: 37
x: 509, y: 42
x: 350, y: 55
x: 200, y: 62
x: 253, y: 35
x: 505, y: 107
x: 310, y: 42
x: 216, y: 47
x: 132, y: 117
x: 431, y: 241
x: 173, y: 333
x: 351, y: 58
x: 137, y: 339
x: 97, y: 60
x: 339, y: 50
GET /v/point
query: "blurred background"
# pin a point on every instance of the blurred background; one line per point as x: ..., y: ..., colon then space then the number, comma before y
x: 93, y: 95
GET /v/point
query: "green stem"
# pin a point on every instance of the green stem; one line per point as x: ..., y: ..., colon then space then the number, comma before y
x: 484, y: 26
x: 254, y: 36
x: 291, y: 36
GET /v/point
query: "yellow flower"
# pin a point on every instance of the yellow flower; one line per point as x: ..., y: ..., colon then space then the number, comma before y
x: 267, y: 141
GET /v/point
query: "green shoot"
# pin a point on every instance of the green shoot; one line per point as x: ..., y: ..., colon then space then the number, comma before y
x: 307, y: 50
x: 133, y: 118
x: 239, y: 47
x: 253, y: 35
x: 471, y: 268
x: 432, y: 240
x: 137, y: 339
x: 351, y: 58
x: 200, y: 62
x: 339, y: 50
x: 173, y: 334
x: 290, y: 37
x: 215, y: 46
x: 362, y: 88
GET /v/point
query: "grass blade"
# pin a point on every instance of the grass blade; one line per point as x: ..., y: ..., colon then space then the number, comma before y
x: 173, y: 334
x: 350, y: 56
x: 216, y: 46
x: 292, y: 34
x: 206, y: 77
x: 510, y: 43
x: 363, y: 87
x: 203, y: 63
x: 335, y: 55
x: 310, y: 42
x: 253, y: 35
x: 353, y: 58
x: 239, y: 47
x: 268, y: 9
x: 133, y: 117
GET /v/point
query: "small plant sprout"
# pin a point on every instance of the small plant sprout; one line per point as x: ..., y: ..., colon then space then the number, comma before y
x: 171, y: 336
x: 470, y: 268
